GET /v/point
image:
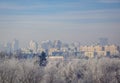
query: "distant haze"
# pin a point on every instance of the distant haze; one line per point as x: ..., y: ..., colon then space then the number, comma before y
x: 67, y: 20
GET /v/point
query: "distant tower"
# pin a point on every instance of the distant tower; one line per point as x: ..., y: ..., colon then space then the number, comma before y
x: 57, y: 44
x: 46, y: 44
x: 15, y: 45
x: 103, y: 41
x: 76, y: 44
x: 7, y: 47
x: 33, y: 46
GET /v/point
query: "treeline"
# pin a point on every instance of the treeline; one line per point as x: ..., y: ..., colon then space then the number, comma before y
x: 102, y: 70
x: 18, y: 55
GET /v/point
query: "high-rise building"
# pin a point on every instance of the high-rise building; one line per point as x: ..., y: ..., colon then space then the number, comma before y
x: 57, y: 44
x: 33, y: 46
x: 8, y: 47
x: 76, y: 44
x: 15, y: 45
x: 103, y: 41
x: 46, y: 44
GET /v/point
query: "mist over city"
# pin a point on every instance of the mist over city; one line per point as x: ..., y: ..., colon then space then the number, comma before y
x: 59, y: 41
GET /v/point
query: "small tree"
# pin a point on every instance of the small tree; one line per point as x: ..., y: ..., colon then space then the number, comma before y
x: 42, y: 59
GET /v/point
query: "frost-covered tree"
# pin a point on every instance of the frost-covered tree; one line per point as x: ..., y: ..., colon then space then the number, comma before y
x: 95, y: 70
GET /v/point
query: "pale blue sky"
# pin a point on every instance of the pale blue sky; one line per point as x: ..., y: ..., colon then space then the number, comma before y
x: 67, y: 20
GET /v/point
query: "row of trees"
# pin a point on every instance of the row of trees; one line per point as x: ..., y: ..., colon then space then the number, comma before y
x: 42, y: 57
x: 103, y: 70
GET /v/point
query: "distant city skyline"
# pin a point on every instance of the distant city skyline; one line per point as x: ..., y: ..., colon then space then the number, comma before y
x: 60, y: 48
x: 100, y: 41
x: 68, y: 20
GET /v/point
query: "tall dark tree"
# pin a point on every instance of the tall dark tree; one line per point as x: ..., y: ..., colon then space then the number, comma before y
x: 42, y: 58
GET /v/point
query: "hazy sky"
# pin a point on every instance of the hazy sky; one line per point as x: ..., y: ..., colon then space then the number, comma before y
x: 67, y: 20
